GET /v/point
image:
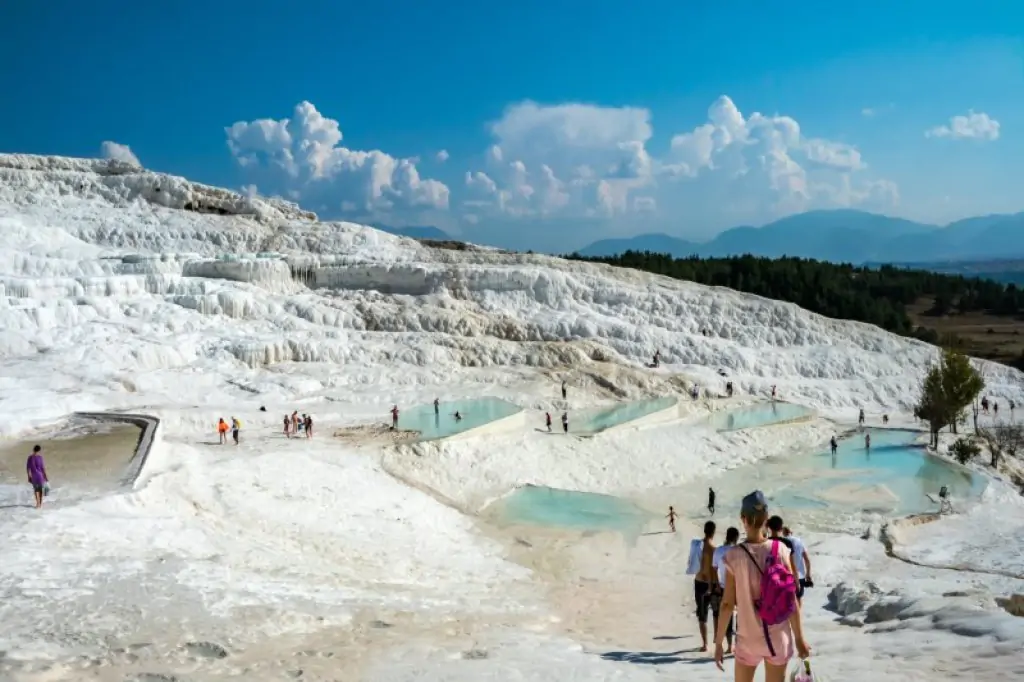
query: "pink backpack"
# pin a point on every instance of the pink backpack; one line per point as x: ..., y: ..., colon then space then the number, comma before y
x: 777, y: 600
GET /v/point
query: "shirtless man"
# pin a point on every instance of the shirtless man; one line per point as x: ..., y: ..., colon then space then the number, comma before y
x: 704, y: 583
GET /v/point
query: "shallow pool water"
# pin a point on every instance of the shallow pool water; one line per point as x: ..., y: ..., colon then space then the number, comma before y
x: 895, y: 477
x: 595, y: 422
x: 762, y: 414
x: 442, y: 423
x: 95, y: 461
x: 553, y: 507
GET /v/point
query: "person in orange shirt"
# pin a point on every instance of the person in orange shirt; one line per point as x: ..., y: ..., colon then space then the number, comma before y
x: 222, y: 430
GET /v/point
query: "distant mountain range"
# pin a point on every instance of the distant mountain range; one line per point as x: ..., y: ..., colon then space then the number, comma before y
x: 844, y: 236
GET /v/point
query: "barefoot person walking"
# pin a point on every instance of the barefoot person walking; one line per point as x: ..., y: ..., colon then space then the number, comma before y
x: 35, y: 467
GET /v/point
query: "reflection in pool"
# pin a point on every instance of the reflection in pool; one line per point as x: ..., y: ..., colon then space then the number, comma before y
x: 762, y: 414
x: 475, y: 413
x: 569, y: 509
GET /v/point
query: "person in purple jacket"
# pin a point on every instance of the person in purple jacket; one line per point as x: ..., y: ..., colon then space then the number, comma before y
x: 36, y: 469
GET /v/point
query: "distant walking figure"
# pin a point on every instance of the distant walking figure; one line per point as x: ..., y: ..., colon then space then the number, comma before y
x: 394, y: 416
x: 860, y: 417
x: 774, y: 393
x: 995, y: 408
x: 222, y: 430
x: 671, y: 516
x: 287, y: 427
x: 711, y: 501
x: 885, y: 419
x: 834, y: 445
x: 437, y: 406
x: 309, y: 426
x: 35, y: 467
x: 565, y: 391
x: 565, y: 422
x: 867, y: 441
x: 236, y: 426
x: 547, y: 421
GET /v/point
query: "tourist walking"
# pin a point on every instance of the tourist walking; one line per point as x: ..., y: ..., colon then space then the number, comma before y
x: 671, y: 516
x: 287, y: 427
x: 565, y: 390
x: 703, y: 583
x: 732, y: 536
x: 309, y: 426
x: 565, y: 422
x: 802, y: 559
x: 35, y: 467
x: 775, y: 525
x: 236, y: 426
x: 761, y: 589
x: 711, y: 501
x: 222, y: 430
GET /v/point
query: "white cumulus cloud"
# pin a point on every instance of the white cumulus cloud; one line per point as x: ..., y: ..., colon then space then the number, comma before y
x: 302, y: 158
x: 592, y: 162
x: 973, y: 126
x: 567, y: 158
x: 119, y: 152
x: 765, y: 162
x: 442, y: 156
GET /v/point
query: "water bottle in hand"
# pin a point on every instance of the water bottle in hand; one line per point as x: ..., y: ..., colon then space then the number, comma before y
x: 803, y: 673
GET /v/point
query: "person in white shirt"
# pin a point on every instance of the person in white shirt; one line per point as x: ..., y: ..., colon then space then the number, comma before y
x: 732, y: 536
x: 802, y: 560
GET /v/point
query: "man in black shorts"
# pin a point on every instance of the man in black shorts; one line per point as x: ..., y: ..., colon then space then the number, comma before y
x: 704, y: 583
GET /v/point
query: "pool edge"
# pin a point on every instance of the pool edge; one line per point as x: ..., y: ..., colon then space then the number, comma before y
x: 148, y: 425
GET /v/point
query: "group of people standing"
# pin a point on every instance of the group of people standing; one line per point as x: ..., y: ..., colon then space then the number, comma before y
x: 760, y: 581
x: 295, y: 424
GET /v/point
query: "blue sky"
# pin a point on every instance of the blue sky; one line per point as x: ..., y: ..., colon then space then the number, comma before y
x: 560, y: 122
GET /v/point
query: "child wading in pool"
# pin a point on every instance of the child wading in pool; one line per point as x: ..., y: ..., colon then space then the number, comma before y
x: 769, y: 630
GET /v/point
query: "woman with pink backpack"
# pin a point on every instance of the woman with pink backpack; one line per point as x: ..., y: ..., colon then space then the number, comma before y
x: 761, y: 588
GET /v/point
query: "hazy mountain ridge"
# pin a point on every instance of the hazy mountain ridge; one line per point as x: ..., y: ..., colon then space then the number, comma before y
x: 844, y: 235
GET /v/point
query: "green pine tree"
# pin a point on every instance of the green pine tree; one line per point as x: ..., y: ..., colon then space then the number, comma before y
x: 947, y: 390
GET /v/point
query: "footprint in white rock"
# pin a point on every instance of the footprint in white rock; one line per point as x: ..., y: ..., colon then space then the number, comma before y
x: 206, y: 650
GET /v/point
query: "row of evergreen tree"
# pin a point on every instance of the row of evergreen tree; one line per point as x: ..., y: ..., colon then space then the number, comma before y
x: 878, y: 296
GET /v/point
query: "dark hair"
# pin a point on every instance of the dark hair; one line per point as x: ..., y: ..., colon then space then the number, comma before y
x: 709, y: 529
x: 775, y: 524
x: 37, y: 448
x: 732, y: 535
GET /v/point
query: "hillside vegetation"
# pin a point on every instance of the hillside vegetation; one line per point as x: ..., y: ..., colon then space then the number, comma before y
x: 978, y: 316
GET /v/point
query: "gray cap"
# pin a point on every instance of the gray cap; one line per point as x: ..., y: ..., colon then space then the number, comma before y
x: 754, y: 503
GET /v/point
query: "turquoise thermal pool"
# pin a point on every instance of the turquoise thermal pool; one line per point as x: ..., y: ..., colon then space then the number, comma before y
x: 568, y: 509
x: 762, y: 414
x: 896, y: 476
x: 595, y: 422
x: 475, y: 413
